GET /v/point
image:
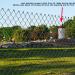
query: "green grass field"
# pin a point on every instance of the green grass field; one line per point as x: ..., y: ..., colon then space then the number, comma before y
x: 37, y: 61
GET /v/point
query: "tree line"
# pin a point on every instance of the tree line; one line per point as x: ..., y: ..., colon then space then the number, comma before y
x: 19, y: 34
x: 40, y: 32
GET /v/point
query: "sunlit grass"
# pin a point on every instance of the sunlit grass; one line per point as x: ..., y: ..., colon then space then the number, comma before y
x: 36, y: 60
x: 69, y: 48
x: 32, y: 61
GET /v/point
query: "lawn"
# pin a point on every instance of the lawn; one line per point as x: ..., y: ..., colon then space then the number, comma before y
x: 37, y: 61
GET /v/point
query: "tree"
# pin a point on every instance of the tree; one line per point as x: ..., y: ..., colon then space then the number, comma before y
x: 25, y: 35
x: 40, y: 32
x: 1, y: 35
x: 6, y: 32
x: 54, y: 31
x: 70, y: 28
x: 17, y: 36
x: 31, y: 28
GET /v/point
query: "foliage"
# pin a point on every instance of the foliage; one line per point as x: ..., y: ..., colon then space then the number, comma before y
x: 19, y: 34
x: 54, y: 31
x: 40, y: 32
x: 70, y: 28
x: 25, y: 35
x: 6, y: 33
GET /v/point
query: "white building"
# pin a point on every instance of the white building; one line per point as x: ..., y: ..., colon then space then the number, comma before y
x: 61, y: 32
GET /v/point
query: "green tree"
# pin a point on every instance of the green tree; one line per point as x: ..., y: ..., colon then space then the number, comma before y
x: 40, y: 32
x: 1, y: 35
x: 26, y: 35
x: 17, y: 36
x: 6, y: 32
x: 54, y: 31
x: 70, y: 28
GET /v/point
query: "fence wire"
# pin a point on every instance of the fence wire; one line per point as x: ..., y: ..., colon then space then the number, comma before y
x: 25, y: 19
x: 21, y: 26
x: 38, y: 54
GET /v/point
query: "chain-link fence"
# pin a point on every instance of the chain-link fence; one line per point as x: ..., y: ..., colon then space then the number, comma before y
x: 24, y: 19
x: 40, y: 61
x: 20, y: 26
x: 31, y: 31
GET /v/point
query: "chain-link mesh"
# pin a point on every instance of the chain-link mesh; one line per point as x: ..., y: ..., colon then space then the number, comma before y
x: 24, y: 26
x: 12, y: 18
x: 36, y: 31
x: 25, y: 19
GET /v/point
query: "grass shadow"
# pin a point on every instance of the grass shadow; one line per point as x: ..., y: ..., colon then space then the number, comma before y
x: 23, y: 69
x: 35, y: 53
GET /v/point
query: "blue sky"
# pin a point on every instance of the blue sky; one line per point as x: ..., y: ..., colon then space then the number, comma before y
x: 53, y: 10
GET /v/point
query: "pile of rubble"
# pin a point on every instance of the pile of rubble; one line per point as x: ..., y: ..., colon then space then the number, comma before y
x: 41, y: 44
